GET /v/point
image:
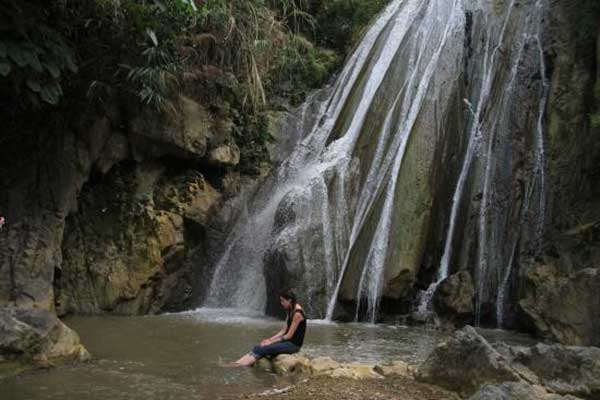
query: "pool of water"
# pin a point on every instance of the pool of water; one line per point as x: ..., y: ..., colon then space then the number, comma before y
x: 177, y: 356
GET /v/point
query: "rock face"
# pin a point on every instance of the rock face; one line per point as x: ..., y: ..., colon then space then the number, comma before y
x: 469, y: 365
x: 563, y: 307
x: 104, y: 216
x: 126, y: 249
x: 558, y: 300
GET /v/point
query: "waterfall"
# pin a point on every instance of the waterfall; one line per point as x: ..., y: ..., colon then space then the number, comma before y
x: 538, y: 181
x: 345, y: 216
x: 501, y: 220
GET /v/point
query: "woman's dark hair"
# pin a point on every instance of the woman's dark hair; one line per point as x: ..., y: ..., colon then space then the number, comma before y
x: 289, y: 295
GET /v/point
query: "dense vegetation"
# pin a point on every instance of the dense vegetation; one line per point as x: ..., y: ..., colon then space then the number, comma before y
x: 240, y: 57
x: 587, y: 15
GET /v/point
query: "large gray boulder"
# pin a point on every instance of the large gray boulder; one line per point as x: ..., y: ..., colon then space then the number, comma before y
x: 465, y: 362
x: 468, y: 364
x: 564, y: 369
x: 37, y: 335
x: 516, y: 391
x: 563, y: 307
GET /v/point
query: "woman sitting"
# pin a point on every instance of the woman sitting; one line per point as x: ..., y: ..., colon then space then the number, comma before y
x: 288, y: 340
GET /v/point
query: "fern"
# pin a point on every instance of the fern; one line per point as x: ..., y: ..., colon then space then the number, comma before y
x: 154, y: 79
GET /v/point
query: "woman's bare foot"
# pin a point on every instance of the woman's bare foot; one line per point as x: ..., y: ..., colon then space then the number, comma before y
x: 246, y: 361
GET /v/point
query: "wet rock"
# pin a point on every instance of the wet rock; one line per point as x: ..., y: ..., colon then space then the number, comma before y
x: 353, y: 371
x: 465, y: 362
x: 275, y: 123
x: 38, y: 335
x: 264, y: 364
x: 285, y: 364
x: 395, y: 369
x: 563, y: 307
x: 453, y: 298
x: 17, y: 337
x: 321, y: 366
x: 298, y: 253
x: 516, y: 391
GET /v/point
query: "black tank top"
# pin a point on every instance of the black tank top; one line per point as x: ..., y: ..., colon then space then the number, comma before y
x: 298, y: 337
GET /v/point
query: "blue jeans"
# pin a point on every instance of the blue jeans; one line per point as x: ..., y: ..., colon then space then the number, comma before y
x: 285, y: 347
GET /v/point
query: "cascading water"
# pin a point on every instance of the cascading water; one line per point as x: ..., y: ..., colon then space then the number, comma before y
x: 345, y: 216
x: 503, y: 208
x: 508, y: 47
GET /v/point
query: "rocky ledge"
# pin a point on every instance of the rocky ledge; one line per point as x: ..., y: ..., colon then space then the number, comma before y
x: 286, y: 364
x: 471, y: 366
x: 474, y: 369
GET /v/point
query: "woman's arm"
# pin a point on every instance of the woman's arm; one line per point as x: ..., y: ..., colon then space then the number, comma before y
x: 276, y: 337
x: 295, y: 322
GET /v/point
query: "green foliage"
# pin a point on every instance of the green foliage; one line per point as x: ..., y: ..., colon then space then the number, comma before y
x: 163, y: 21
x: 340, y: 22
x: 587, y: 17
x: 213, y: 12
x: 33, y: 56
x: 595, y: 117
x: 154, y: 80
x: 304, y: 67
x: 252, y: 135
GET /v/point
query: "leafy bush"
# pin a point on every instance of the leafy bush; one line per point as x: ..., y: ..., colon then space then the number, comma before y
x: 595, y: 117
x: 587, y: 14
x: 340, y: 22
x: 303, y: 67
x: 33, y: 56
x: 154, y: 80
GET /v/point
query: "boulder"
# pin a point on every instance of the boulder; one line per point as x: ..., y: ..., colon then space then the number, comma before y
x: 465, y: 362
x: 516, y: 391
x: 562, y: 307
x: 186, y: 135
x: 37, y: 335
x: 564, y: 369
x: 453, y: 298
x: 286, y: 364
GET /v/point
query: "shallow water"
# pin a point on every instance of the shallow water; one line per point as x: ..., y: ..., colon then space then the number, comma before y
x: 178, y: 356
